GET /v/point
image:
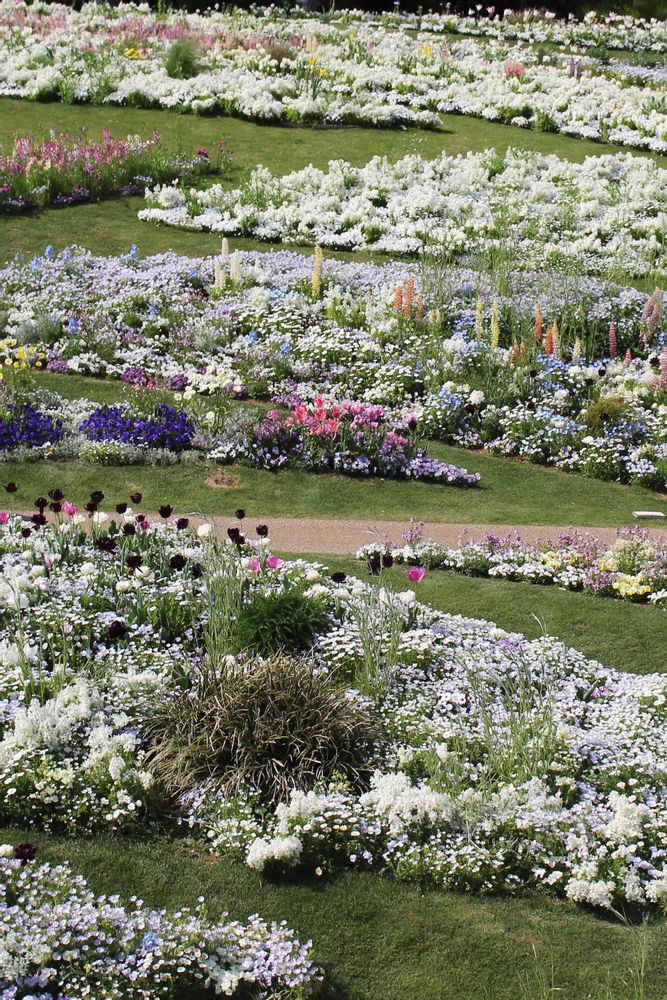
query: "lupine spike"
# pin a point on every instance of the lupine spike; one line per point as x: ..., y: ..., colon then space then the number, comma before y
x: 613, y: 342
x: 316, y: 278
x: 628, y: 358
x: 577, y: 350
x: 479, y: 318
x: 398, y: 298
x: 408, y: 298
x: 539, y: 323
x: 495, y: 325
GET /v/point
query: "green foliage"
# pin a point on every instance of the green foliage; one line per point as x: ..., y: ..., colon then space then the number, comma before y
x: 265, y: 725
x: 181, y: 62
x: 282, y: 621
x: 603, y: 413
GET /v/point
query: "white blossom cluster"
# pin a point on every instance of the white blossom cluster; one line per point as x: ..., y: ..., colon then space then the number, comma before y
x: 607, y: 213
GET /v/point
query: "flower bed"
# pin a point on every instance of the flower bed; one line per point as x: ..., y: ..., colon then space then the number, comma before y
x: 633, y: 568
x: 567, y: 372
x: 60, y: 940
x: 66, y: 169
x: 349, y: 437
x: 597, y: 216
x: 465, y: 756
x: 287, y: 68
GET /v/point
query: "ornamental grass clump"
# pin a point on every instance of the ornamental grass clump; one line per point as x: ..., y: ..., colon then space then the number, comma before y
x: 266, y: 725
x: 181, y: 62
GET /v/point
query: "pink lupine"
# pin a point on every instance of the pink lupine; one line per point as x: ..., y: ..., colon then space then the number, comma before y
x: 663, y: 366
x: 628, y: 358
x: 613, y: 341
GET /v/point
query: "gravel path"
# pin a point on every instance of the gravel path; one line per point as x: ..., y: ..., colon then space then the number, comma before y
x: 342, y: 537
x: 329, y: 536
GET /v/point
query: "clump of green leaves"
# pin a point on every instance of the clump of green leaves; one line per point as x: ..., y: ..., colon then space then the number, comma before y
x: 286, y: 620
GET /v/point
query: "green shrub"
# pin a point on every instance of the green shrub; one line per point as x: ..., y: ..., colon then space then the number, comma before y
x: 181, y: 62
x: 282, y: 621
x: 266, y: 725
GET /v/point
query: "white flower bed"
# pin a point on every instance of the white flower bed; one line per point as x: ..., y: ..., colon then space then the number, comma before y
x: 608, y: 212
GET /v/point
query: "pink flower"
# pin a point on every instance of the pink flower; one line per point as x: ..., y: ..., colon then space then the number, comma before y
x: 255, y: 565
x: 4, y: 517
x: 415, y: 574
x: 273, y: 562
x: 68, y: 508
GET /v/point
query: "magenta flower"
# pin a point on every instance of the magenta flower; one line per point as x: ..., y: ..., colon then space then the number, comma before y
x: 255, y: 565
x: 273, y: 562
x: 415, y: 574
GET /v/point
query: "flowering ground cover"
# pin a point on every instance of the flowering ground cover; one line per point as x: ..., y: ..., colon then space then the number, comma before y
x: 634, y: 567
x: 574, y: 376
x: 603, y: 214
x: 95, y: 717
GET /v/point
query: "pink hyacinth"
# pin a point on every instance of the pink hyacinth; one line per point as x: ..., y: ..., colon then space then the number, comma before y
x: 415, y: 574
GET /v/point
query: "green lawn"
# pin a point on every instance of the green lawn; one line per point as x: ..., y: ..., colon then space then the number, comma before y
x: 620, y: 634
x: 511, y: 493
x: 380, y: 940
x: 111, y: 226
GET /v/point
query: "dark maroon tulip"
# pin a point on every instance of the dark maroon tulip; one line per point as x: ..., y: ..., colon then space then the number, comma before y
x: 182, y: 523
x: 262, y: 530
x: 166, y: 510
x: 339, y: 577
x: 121, y: 508
x: 25, y: 852
x: 11, y: 487
x: 136, y: 497
x: 57, y: 495
x: 117, y: 630
x: 134, y: 560
x: 239, y: 514
x: 177, y: 561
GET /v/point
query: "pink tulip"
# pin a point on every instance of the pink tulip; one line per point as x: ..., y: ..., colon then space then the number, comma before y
x: 273, y: 562
x: 255, y: 565
x: 4, y: 517
x: 415, y: 574
x: 69, y: 508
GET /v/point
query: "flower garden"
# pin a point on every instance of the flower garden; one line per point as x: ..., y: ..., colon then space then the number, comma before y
x: 333, y: 477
